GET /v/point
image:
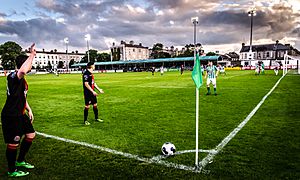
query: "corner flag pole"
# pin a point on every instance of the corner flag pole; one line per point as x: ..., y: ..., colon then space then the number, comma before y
x: 195, y: 22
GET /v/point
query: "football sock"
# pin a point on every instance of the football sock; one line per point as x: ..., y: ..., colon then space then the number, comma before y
x: 208, y: 89
x: 95, y: 112
x: 11, y: 155
x: 86, y: 113
x: 215, y: 90
x: 25, y: 145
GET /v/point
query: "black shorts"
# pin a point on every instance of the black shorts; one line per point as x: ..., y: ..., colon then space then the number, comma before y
x: 90, y: 99
x: 14, y: 128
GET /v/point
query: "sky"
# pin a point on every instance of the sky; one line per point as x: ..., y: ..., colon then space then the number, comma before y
x: 223, y: 24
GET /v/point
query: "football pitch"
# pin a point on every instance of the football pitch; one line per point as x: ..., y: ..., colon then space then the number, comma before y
x: 141, y: 112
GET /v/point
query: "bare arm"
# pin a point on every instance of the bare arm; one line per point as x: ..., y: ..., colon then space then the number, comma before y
x: 30, y: 114
x: 89, y: 88
x: 100, y: 90
x: 28, y: 63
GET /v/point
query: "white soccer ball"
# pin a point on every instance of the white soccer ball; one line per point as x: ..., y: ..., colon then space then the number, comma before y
x: 168, y: 149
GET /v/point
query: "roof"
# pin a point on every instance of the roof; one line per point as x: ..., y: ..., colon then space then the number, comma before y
x: 265, y: 47
x: 53, y: 52
x: 202, y: 58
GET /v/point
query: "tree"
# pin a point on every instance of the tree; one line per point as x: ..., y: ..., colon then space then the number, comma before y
x: 49, y: 66
x: 60, y: 64
x: 71, y: 63
x: 92, y: 54
x: 211, y: 54
x: 8, y: 52
x: 157, y: 52
x: 103, y: 57
x: 158, y: 47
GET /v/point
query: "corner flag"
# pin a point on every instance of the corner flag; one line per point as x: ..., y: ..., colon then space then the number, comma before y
x: 197, y: 73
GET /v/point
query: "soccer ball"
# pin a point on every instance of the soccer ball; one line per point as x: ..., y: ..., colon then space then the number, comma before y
x: 168, y: 149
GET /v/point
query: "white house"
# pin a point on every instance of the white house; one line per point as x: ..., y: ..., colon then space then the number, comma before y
x: 266, y: 53
x: 43, y: 58
x: 126, y: 52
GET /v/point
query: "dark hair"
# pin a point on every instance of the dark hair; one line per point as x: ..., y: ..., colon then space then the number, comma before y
x: 89, y: 64
x: 20, y: 60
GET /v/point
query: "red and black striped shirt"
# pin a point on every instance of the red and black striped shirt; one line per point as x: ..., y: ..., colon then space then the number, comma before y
x: 15, y: 104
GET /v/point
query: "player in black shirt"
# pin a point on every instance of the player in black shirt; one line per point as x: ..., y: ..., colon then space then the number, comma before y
x: 15, y: 121
x: 89, y: 86
x: 181, y: 69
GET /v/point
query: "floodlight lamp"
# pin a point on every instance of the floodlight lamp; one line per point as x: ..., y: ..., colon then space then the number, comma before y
x: 66, y: 40
x: 194, y: 19
x: 87, y: 37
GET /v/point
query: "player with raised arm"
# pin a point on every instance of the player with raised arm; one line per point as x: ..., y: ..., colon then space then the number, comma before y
x: 90, y: 95
x: 211, y: 75
x: 15, y: 122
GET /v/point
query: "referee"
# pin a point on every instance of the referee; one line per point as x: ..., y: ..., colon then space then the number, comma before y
x: 15, y: 121
x: 90, y: 94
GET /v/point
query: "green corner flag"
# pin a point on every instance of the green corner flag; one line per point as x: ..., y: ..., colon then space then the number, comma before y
x: 197, y: 73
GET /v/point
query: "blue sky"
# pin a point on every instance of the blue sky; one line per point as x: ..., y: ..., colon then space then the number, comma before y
x: 224, y: 25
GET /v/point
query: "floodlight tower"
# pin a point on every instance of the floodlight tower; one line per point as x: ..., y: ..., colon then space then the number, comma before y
x: 66, y: 41
x: 251, y: 13
x: 87, y: 38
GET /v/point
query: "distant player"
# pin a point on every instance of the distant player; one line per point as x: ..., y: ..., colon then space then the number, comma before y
x: 202, y: 70
x: 89, y: 86
x: 222, y: 69
x: 15, y: 122
x: 211, y: 75
x: 262, y: 68
x: 162, y: 70
x: 257, y: 69
x: 181, y: 69
x: 153, y: 70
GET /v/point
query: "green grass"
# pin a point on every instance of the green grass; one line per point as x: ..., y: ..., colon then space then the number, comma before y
x: 142, y: 111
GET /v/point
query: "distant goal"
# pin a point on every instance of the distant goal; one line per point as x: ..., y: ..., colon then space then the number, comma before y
x: 291, y: 65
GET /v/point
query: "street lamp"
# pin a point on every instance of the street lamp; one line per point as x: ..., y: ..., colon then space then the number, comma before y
x: 87, y: 38
x: 251, y: 13
x: 66, y: 40
x: 195, y: 21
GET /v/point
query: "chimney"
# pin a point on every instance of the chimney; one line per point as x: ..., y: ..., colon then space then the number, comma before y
x: 131, y: 42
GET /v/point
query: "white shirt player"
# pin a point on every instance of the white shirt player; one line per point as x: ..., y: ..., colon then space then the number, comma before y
x: 161, y: 70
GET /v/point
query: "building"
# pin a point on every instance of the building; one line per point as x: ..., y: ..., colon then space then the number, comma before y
x: 44, y: 58
x: 266, y: 53
x: 230, y: 59
x: 127, y: 52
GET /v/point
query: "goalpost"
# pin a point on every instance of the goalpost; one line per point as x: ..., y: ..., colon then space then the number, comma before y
x: 291, y: 64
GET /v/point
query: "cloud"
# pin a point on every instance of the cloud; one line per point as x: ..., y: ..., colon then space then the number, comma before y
x: 38, y: 30
x: 220, y: 22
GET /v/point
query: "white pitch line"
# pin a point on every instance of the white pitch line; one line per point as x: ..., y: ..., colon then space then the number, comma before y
x: 209, y: 158
x: 160, y: 157
x: 128, y: 155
